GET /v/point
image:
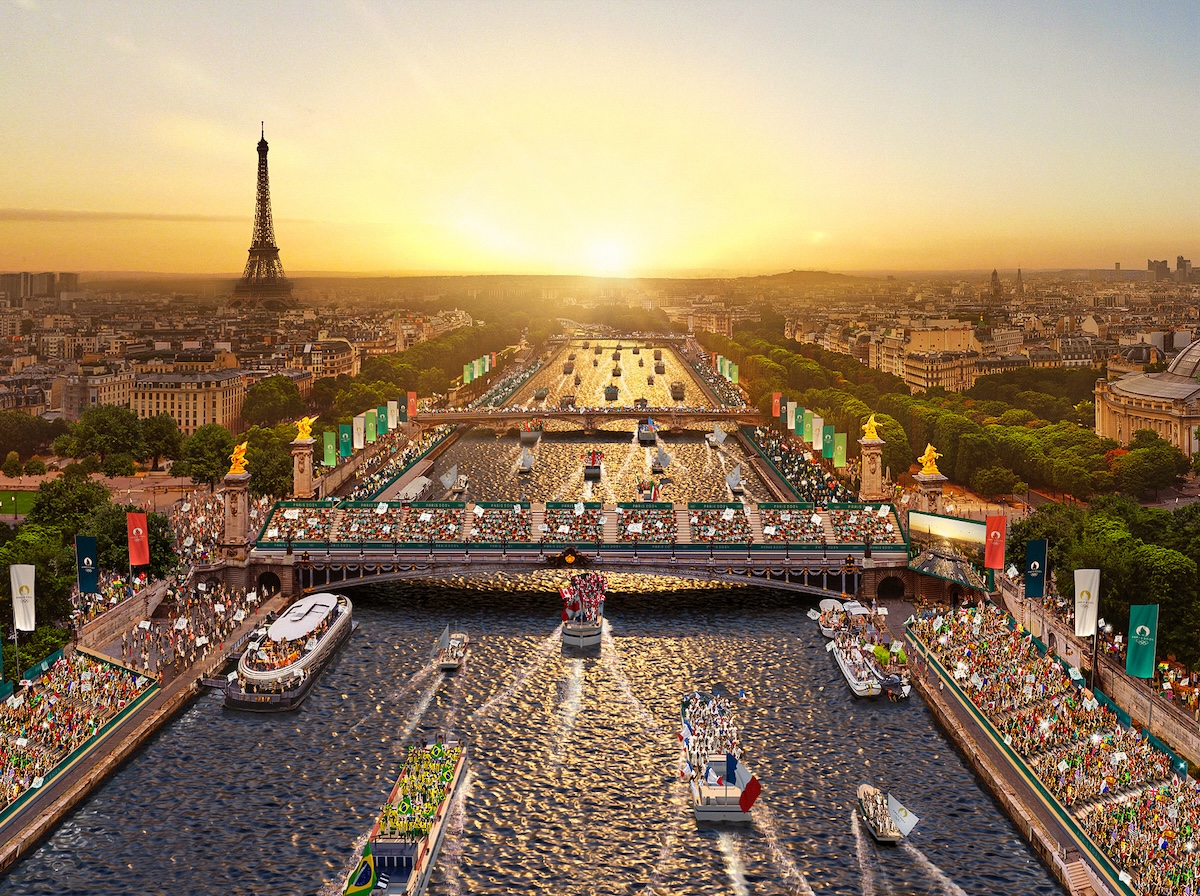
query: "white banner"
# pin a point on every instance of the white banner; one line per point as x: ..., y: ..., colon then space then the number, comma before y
x: 1087, y: 600
x: 21, y: 575
x: 791, y: 416
x: 360, y: 432
x: 904, y: 819
x: 818, y: 433
x: 393, y: 408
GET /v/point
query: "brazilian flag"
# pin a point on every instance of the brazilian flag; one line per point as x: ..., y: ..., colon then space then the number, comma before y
x: 362, y: 881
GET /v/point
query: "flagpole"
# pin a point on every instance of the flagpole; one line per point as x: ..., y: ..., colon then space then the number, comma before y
x: 1095, y: 647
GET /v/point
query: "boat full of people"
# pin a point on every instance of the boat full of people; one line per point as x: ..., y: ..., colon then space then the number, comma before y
x: 283, y: 660
x: 402, y: 848
x: 583, y: 610
x: 867, y: 674
x: 450, y: 649
x: 885, y: 818
x: 723, y: 789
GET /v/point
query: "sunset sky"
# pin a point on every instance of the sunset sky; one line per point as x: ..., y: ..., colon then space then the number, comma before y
x: 613, y: 138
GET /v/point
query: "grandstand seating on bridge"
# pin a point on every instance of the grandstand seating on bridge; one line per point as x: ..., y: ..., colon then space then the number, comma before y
x: 855, y: 525
x: 496, y: 523
x: 791, y: 524
x: 719, y: 523
x: 572, y: 523
x: 646, y: 523
x: 369, y: 521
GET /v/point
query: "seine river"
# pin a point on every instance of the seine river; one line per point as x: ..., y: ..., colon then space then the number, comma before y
x: 572, y: 787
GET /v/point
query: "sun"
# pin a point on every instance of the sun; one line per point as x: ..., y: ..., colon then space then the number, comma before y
x: 608, y: 258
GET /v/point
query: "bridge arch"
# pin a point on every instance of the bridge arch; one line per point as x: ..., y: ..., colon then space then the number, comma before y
x: 890, y: 587
x: 268, y: 583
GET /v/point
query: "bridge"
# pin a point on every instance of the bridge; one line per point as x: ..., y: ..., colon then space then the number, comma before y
x: 673, y: 418
x: 804, y: 571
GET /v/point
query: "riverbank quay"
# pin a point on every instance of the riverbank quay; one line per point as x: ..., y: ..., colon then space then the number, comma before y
x: 1055, y: 836
x: 73, y: 780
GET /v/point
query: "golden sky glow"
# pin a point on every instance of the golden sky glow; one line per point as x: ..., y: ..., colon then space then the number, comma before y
x: 598, y: 138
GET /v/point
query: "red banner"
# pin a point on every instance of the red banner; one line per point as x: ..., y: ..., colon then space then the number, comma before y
x: 994, y: 553
x: 412, y: 405
x: 493, y: 360
x: 775, y: 396
x: 139, y: 539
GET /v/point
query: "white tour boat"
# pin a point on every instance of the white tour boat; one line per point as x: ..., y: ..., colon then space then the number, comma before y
x: 281, y: 663
x: 856, y: 669
x: 583, y: 610
x: 885, y: 818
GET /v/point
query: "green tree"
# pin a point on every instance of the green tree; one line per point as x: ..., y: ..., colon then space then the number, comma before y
x: 65, y: 503
x: 271, y: 400
x: 162, y: 438
x: 992, y: 482
x: 103, y: 430
x: 35, y: 466
x: 269, y: 460
x: 119, y: 464
x: 206, y: 455
x: 12, y: 465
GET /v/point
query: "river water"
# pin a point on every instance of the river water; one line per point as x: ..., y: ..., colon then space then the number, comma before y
x: 572, y: 787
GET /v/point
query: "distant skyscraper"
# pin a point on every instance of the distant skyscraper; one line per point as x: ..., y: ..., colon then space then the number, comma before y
x: 263, y: 282
x: 996, y: 289
x: 1159, y: 270
x: 1020, y: 285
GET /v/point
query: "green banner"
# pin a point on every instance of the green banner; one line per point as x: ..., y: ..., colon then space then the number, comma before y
x: 381, y: 419
x: 330, y: 438
x: 839, y: 449
x: 466, y: 374
x: 345, y: 440
x: 827, y: 442
x: 800, y: 412
x: 371, y: 428
x: 1143, y: 639
x: 808, y: 426
x: 733, y: 374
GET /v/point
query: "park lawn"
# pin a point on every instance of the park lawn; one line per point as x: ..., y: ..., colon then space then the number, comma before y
x: 24, y: 500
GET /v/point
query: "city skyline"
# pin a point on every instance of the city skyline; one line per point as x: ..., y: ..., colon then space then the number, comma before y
x: 603, y: 140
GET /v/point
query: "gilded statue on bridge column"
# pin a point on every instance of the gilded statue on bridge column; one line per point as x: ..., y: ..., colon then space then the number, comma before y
x: 929, y: 461
x: 237, y: 465
x: 304, y: 428
x: 871, y: 429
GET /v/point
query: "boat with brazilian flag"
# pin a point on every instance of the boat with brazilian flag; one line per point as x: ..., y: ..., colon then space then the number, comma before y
x: 362, y: 879
x: 403, y: 846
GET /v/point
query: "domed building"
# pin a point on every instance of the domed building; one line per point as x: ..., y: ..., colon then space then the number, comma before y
x: 1168, y: 403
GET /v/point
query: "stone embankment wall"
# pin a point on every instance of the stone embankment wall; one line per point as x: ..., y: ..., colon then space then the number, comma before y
x: 124, y: 616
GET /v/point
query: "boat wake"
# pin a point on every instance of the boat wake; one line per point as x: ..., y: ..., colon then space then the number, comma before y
x: 612, y: 664
x: 764, y: 820
x: 538, y: 659
x: 936, y: 875
x: 732, y: 855
x: 679, y: 809
x: 572, y: 699
x: 453, y: 847
x: 400, y: 741
x: 866, y: 861
x: 396, y: 696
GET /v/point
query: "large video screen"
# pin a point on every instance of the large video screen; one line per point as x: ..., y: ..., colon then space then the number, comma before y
x: 948, y: 548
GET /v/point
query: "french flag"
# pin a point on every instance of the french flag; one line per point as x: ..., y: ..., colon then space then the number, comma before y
x: 737, y: 774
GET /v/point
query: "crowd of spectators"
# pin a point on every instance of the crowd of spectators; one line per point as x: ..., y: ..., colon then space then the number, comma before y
x: 791, y: 526
x: 56, y: 713
x: 1120, y: 786
x: 729, y: 394
x: 511, y: 522
x: 501, y: 390
x: 646, y: 524
x: 114, y: 588
x: 314, y: 523
x: 426, y: 524
x: 811, y: 481
x: 200, y: 618
x: 379, y: 522
x: 876, y: 523
x: 578, y: 523
x: 390, y: 462
x: 722, y: 526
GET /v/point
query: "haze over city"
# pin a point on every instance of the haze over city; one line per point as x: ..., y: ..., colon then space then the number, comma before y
x: 604, y: 139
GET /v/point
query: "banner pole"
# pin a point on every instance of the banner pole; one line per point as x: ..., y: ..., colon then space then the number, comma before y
x: 1095, y: 645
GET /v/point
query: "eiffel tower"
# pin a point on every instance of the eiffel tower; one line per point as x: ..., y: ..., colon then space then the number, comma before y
x: 263, y: 284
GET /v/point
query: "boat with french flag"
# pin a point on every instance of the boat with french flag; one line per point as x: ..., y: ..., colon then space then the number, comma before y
x: 583, y: 610
x: 402, y: 848
x: 723, y: 788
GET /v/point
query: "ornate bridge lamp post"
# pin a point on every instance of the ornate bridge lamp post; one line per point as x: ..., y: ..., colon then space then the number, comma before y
x: 467, y: 548
x: 395, y: 546
x: 430, y: 547
x: 360, y: 548
x: 504, y: 547
x: 635, y: 553
x: 542, y: 548
x: 848, y: 569
x: 749, y: 542
x: 328, y: 543
x: 673, y: 549
x: 597, y: 547
x: 710, y: 550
